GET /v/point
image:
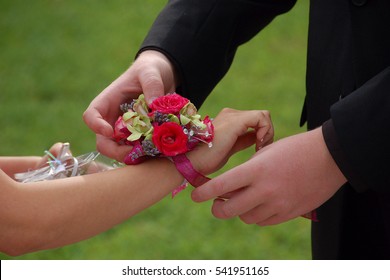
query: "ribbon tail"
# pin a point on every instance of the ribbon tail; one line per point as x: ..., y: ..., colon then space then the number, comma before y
x: 311, y: 216
x: 179, y: 188
x: 184, y: 166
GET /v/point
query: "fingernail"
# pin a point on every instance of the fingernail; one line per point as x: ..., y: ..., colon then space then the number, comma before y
x: 150, y: 100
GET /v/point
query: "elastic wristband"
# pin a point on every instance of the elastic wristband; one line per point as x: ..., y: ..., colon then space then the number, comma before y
x: 185, y: 168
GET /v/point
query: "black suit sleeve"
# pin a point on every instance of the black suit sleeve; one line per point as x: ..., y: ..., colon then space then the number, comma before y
x: 201, y: 37
x: 358, y: 136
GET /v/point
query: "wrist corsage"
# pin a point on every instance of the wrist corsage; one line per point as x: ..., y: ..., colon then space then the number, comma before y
x: 170, y: 127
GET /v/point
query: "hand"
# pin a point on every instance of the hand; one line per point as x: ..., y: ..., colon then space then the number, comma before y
x: 234, y: 131
x: 286, y: 179
x: 54, y: 150
x: 151, y: 74
x: 12, y: 165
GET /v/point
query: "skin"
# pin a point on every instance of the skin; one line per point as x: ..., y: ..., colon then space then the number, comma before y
x: 278, y: 183
x: 287, y: 179
x: 152, y: 74
x: 50, y: 214
x: 12, y: 165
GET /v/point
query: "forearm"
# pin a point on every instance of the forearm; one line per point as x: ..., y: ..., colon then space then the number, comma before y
x: 12, y: 165
x: 50, y: 214
x: 55, y: 213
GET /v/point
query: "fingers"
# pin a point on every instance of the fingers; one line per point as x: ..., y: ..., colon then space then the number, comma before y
x: 56, y: 149
x: 249, y: 205
x: 95, y: 121
x: 104, y: 109
x: 229, y: 181
x: 265, y: 130
x: 258, y: 215
x: 241, y: 121
x: 151, y: 74
x: 239, y: 204
x: 262, y: 215
x: 111, y: 149
x: 152, y: 85
x: 156, y: 74
x: 248, y: 202
x: 237, y: 123
x: 245, y: 202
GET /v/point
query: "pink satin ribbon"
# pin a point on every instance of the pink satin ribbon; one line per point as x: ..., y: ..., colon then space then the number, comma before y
x: 184, y: 166
x: 196, y: 179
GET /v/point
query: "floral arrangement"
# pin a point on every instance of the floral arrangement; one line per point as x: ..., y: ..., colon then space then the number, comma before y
x: 171, y: 126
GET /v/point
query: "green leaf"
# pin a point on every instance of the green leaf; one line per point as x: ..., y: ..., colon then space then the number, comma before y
x: 199, y: 124
x: 129, y: 115
x: 173, y: 118
x: 134, y: 136
x: 184, y: 120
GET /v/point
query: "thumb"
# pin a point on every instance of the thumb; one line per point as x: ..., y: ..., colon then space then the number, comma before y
x: 152, y: 86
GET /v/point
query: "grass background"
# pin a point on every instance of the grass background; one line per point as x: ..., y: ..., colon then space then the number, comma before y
x: 56, y: 55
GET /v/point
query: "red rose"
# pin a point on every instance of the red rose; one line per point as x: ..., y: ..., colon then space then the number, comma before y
x: 169, y: 104
x: 170, y: 139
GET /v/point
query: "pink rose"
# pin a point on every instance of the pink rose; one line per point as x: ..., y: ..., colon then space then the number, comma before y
x: 170, y: 139
x: 120, y: 130
x: 169, y: 104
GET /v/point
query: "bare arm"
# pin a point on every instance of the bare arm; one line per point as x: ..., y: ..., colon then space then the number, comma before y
x: 12, y: 165
x: 50, y: 214
x: 15, y: 164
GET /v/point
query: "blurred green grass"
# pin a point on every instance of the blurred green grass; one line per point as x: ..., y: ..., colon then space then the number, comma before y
x: 55, y: 56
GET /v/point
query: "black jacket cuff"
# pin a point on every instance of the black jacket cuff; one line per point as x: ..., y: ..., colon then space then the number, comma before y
x: 332, y: 142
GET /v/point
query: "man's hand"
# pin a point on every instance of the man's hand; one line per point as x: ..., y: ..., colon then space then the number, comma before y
x: 284, y: 180
x: 151, y: 74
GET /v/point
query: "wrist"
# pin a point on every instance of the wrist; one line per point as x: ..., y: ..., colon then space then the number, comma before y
x: 195, y: 158
x: 187, y: 170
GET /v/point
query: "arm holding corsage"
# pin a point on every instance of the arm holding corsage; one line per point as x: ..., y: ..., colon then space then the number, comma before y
x: 54, y: 213
x: 171, y: 127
